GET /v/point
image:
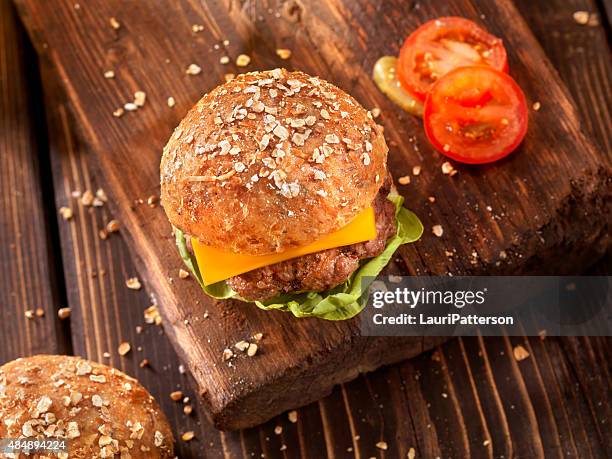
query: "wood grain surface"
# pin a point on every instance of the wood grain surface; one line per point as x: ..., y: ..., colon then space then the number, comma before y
x: 403, y: 404
x: 27, y: 283
x: 551, y: 195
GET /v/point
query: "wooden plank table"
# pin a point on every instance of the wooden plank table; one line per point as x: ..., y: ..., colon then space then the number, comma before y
x: 518, y: 216
x: 469, y: 398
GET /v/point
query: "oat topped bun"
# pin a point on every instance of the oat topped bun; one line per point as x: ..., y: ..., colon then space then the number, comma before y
x: 99, y: 410
x: 270, y: 161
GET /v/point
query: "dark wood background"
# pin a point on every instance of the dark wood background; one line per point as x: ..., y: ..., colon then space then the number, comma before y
x: 469, y: 398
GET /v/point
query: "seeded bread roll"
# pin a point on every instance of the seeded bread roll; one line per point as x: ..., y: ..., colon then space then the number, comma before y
x: 99, y: 410
x: 270, y: 161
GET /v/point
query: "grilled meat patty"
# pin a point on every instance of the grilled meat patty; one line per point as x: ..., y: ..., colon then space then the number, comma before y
x: 319, y: 271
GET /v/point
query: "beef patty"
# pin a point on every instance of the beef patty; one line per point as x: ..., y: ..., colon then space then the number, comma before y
x: 319, y: 271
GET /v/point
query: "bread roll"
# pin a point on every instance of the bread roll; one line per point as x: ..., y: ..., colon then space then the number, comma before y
x: 270, y: 161
x: 99, y: 410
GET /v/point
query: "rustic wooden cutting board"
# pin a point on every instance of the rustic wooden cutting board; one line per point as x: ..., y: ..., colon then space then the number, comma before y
x: 544, y: 209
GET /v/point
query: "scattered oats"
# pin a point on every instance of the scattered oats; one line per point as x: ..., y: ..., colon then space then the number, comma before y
x: 66, y: 213
x: 375, y: 112
x: 139, y: 98
x: 29, y: 314
x: 98, y: 378
x: 143, y: 363
x: 183, y: 274
x: 193, y: 69
x: 188, y: 436
x: 40, y: 312
x: 486, y: 443
x: 404, y: 180
x: 197, y: 28
x: 87, y: 198
x: 109, y: 74
x: 239, y: 166
x: 176, y: 395
x: 446, y: 147
x: 243, y: 60
x: 444, y: 395
x: 119, y: 112
x: 112, y: 226
x: 416, y: 170
x: 411, y: 453
x: 171, y: 102
x: 258, y: 336
x: 437, y: 230
x: 241, y: 345
x: 448, y: 169
x: 520, y: 353
x: 63, y: 313
x: 365, y: 158
x: 100, y: 199
x: 382, y: 445
x: 133, y: 283
x: 114, y: 23
x: 227, y: 354
x: 152, y: 315
x: 187, y: 409
x: 310, y: 120
x: 130, y: 106
x: 252, y: 349
x: 431, y: 199
x: 283, y: 447
x: 542, y: 334
x: 224, y: 60
x: 278, y: 430
x: 325, y: 114
x: 283, y: 53
x: 503, y: 255
x: 292, y: 416
x: 537, y: 106
x: 152, y: 200
x: 581, y: 17
x: 229, y: 76
x: 124, y: 348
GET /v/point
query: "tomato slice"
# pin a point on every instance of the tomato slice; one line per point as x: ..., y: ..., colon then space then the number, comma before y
x: 442, y: 45
x: 475, y: 115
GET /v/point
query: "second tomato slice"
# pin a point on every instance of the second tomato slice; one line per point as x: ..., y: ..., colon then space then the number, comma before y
x: 475, y: 115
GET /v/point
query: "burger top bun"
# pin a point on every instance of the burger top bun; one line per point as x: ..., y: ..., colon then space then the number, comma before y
x: 269, y: 161
x: 99, y: 411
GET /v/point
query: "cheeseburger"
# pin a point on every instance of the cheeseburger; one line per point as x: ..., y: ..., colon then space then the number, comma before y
x: 277, y: 186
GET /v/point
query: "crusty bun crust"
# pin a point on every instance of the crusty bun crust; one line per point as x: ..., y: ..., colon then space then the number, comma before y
x: 99, y: 410
x: 270, y: 161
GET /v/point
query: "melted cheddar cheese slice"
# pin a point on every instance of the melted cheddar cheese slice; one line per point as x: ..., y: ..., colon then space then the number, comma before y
x: 216, y: 265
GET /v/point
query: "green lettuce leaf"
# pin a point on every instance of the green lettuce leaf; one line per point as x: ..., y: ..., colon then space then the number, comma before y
x: 339, y: 303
